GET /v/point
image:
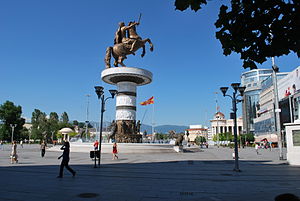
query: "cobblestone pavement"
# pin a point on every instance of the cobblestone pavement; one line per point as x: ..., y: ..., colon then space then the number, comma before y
x: 205, y: 174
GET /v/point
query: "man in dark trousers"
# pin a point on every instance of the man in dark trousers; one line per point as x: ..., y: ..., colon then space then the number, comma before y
x: 65, y: 160
x: 43, y: 148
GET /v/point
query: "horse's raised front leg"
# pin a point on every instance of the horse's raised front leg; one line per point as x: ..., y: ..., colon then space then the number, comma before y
x: 150, y: 43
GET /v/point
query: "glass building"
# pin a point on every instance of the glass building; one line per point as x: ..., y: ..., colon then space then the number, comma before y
x: 255, y: 81
x: 252, y: 81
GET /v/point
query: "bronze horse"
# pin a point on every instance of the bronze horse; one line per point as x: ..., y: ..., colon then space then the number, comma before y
x: 121, y: 50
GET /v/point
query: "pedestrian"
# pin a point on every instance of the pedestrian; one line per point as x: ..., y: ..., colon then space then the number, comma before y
x: 14, y: 156
x: 256, y: 148
x: 115, y: 151
x: 43, y: 148
x: 21, y: 143
x: 96, y: 145
x: 65, y: 160
x: 1, y: 145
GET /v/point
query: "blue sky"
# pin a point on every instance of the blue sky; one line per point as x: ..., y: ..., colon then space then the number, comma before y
x: 51, y: 56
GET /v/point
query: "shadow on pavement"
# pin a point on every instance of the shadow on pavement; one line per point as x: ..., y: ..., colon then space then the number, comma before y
x: 174, y: 180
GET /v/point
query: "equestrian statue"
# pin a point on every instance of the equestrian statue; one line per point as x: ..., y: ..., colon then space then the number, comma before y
x: 126, y: 42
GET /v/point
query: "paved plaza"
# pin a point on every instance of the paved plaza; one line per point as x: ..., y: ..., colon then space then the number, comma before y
x: 204, y: 174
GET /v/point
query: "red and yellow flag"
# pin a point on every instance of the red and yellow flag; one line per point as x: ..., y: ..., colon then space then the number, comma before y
x: 148, y: 102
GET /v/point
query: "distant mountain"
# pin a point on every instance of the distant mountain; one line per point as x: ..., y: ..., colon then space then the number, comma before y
x: 163, y: 128
x: 158, y: 129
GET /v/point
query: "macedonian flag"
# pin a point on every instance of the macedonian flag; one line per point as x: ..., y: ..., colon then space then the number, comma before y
x: 148, y: 102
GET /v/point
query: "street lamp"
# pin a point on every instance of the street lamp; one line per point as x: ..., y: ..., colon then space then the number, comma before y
x: 100, y: 94
x: 277, y: 109
x: 236, y: 87
x: 13, y: 126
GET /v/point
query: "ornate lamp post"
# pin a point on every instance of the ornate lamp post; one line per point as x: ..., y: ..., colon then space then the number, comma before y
x: 13, y: 126
x: 236, y: 87
x: 277, y: 109
x: 100, y: 94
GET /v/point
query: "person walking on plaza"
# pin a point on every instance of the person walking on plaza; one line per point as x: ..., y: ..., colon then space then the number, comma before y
x: 96, y: 145
x: 43, y: 148
x: 115, y: 151
x: 65, y: 160
x: 21, y: 143
x: 14, y: 156
x: 256, y: 148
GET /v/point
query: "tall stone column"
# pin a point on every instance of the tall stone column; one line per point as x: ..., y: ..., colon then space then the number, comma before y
x: 126, y: 79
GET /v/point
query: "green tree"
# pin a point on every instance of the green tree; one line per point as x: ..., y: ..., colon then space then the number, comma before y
x: 247, y: 137
x: 200, y: 140
x: 75, y: 123
x: 223, y: 137
x: 40, y: 125
x: 256, y: 29
x: 65, y: 118
x: 160, y: 136
x: 53, y: 124
x: 81, y: 125
x: 64, y: 121
x: 11, y: 115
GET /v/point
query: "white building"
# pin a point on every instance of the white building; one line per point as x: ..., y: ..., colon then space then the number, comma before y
x: 197, y: 130
x: 221, y: 125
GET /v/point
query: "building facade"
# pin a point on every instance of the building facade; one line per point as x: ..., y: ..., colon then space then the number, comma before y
x: 221, y: 125
x: 289, y: 99
x: 252, y: 80
x: 197, y: 130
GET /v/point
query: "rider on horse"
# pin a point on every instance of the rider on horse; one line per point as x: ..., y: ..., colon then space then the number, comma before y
x: 126, y: 42
x: 122, y: 32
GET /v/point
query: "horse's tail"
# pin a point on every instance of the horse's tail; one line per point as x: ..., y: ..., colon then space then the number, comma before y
x: 108, y: 57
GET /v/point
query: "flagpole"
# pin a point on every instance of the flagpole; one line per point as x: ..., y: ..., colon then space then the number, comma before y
x: 144, y: 116
x: 153, y: 135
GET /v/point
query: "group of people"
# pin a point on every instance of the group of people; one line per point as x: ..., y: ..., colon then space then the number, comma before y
x: 65, y: 155
x: 266, y: 145
x: 114, y: 149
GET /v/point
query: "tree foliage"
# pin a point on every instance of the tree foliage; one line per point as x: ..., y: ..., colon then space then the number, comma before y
x: 11, y: 115
x: 247, y: 137
x: 200, y: 140
x: 44, y: 127
x: 40, y: 125
x: 223, y: 137
x: 160, y: 136
x: 255, y: 29
x: 65, y: 117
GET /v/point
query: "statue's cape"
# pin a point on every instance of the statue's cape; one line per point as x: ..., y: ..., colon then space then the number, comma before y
x: 118, y: 37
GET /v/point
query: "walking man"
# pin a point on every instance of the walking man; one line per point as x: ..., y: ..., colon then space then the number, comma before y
x: 65, y: 160
x: 43, y: 148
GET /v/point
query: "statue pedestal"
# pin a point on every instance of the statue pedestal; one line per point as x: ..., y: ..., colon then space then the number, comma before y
x: 126, y: 79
